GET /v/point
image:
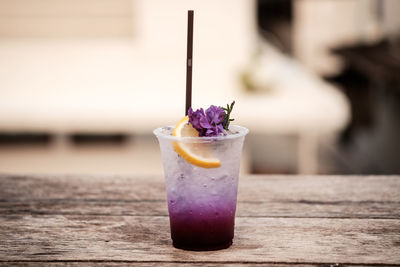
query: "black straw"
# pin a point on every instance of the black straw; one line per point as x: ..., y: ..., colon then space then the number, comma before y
x: 189, y: 61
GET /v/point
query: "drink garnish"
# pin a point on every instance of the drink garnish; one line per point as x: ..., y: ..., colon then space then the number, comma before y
x: 228, y: 111
x: 213, y: 121
x: 194, y: 153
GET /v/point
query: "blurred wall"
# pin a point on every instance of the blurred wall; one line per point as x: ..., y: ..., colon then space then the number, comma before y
x: 320, y: 25
x: 66, y: 19
x: 391, y: 20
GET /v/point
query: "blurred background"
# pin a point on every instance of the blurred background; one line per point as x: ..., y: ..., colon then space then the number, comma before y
x: 84, y: 83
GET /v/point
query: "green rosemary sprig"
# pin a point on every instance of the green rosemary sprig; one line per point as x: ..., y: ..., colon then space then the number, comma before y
x: 228, y: 111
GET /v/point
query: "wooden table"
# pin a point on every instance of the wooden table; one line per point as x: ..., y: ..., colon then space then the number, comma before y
x: 281, y: 220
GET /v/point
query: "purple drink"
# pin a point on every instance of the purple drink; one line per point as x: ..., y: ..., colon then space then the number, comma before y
x: 203, y: 231
x: 202, y: 201
x: 203, y: 216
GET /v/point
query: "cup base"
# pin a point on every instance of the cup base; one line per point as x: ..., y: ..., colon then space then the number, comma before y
x: 201, y: 248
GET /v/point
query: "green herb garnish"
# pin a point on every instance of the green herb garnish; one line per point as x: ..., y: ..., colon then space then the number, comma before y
x: 228, y: 111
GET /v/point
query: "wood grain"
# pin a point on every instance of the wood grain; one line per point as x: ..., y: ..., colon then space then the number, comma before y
x: 299, y: 209
x: 282, y: 220
x: 259, y: 196
x: 146, y: 238
x: 182, y: 264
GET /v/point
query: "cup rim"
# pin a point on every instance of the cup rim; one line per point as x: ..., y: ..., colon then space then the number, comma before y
x: 241, y: 132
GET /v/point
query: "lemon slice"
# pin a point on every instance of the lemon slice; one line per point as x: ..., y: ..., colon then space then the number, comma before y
x: 194, y: 153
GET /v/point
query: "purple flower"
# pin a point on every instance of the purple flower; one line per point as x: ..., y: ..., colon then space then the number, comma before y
x: 209, y: 123
x: 215, y: 115
x: 195, y: 117
x: 215, y: 130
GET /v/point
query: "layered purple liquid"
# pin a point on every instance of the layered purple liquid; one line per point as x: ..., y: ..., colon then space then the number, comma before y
x: 202, y: 201
x: 202, y: 227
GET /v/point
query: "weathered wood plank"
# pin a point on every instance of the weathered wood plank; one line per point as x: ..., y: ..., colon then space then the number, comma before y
x: 181, y: 264
x: 146, y: 238
x: 209, y: 263
x: 259, y: 196
x: 71, y: 219
x: 251, y: 187
x: 139, y: 187
x: 19, y: 187
x: 300, y: 209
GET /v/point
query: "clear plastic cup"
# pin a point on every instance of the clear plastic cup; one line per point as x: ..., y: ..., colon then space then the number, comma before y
x: 202, y: 201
